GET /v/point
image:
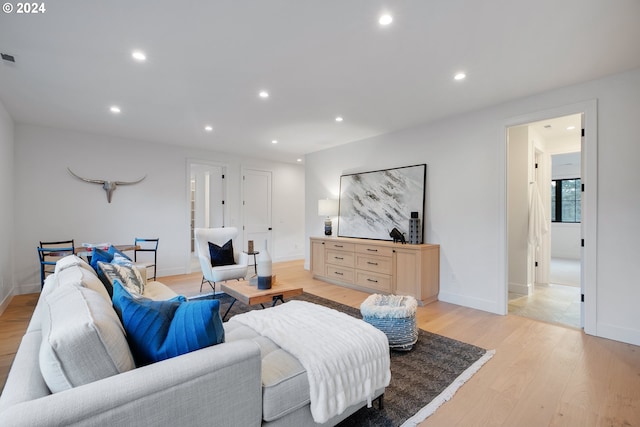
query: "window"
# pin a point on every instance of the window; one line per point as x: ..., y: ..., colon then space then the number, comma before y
x: 565, y: 200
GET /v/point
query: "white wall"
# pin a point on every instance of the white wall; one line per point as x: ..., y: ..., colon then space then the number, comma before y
x: 466, y: 195
x: 52, y: 205
x: 6, y: 207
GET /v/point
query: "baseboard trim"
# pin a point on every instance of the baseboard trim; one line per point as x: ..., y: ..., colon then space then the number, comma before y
x: 520, y: 288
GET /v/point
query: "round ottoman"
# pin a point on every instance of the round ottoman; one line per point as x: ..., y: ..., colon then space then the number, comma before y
x: 395, y: 315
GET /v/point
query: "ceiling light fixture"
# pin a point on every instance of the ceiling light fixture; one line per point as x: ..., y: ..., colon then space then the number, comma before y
x: 263, y: 94
x: 460, y: 76
x: 208, y: 128
x: 385, y: 19
x: 139, y: 55
x: 339, y: 119
x: 114, y: 109
x: 298, y: 160
x: 275, y: 141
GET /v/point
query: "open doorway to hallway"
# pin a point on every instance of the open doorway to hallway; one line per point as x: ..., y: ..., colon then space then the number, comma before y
x: 544, y: 220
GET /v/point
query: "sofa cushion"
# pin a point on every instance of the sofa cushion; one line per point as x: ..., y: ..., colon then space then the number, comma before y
x: 71, y: 261
x: 158, y: 291
x: 285, y: 385
x: 82, y: 339
x: 221, y: 255
x: 159, y: 330
x: 79, y: 276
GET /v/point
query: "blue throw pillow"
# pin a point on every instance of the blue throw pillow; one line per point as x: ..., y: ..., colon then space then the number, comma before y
x: 158, y: 330
x: 97, y: 255
x: 221, y: 255
x: 113, y: 251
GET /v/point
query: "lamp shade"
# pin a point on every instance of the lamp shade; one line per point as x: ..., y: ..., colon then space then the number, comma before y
x: 327, y: 207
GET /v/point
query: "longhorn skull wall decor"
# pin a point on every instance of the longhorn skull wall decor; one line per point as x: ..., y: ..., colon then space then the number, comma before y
x: 108, y: 186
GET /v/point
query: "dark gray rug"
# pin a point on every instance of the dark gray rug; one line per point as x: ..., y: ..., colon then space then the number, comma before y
x: 417, y: 377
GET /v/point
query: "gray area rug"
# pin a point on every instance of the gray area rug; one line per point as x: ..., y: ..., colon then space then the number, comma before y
x: 418, y: 377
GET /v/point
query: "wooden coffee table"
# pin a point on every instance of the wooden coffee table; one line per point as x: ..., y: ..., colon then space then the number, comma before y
x: 251, y: 295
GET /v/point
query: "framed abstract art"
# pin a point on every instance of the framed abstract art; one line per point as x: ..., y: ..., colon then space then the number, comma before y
x: 374, y: 203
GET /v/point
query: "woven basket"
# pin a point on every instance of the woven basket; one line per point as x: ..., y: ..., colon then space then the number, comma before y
x: 395, y: 316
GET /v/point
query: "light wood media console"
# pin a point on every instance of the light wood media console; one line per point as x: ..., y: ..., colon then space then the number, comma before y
x: 378, y: 266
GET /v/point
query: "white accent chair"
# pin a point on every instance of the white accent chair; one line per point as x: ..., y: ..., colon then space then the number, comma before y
x: 222, y: 273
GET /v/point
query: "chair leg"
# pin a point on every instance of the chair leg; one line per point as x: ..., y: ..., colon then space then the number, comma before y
x: 213, y: 286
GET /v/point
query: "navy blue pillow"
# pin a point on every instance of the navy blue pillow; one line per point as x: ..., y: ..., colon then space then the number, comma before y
x: 221, y: 255
x: 158, y: 330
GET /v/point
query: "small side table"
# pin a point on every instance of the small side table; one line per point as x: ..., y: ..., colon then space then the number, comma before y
x: 255, y: 261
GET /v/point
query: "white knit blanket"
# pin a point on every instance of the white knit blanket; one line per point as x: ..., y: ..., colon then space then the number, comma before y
x: 346, y: 359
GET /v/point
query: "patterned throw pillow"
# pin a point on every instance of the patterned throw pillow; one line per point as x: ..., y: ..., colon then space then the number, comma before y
x: 128, y: 275
x: 130, y: 278
x: 107, y: 274
x: 158, y: 330
x: 221, y: 255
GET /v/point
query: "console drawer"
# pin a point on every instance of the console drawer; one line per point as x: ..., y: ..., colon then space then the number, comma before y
x: 379, y: 282
x: 342, y: 274
x: 341, y: 258
x: 381, y: 265
x: 374, y: 250
x: 342, y: 246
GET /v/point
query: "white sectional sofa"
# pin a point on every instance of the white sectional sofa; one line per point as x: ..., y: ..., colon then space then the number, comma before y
x: 76, y: 345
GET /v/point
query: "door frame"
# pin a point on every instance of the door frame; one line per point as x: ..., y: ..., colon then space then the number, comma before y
x: 190, y: 264
x: 590, y: 196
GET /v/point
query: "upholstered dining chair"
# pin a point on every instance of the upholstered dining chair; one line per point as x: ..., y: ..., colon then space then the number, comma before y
x: 50, y: 252
x: 229, y: 262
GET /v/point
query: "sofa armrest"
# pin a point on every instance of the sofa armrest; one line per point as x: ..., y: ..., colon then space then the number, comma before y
x: 219, y: 385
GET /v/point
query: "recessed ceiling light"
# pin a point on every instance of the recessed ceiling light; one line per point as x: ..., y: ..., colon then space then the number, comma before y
x: 571, y: 127
x: 114, y: 109
x: 138, y: 55
x: 339, y: 119
x: 275, y: 141
x: 460, y: 76
x: 385, y: 19
x: 263, y: 94
x: 298, y: 160
x: 208, y: 128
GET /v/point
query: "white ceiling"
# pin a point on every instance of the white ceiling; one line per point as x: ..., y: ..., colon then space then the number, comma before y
x: 207, y: 61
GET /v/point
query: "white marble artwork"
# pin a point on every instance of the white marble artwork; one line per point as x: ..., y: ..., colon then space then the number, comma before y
x: 373, y: 203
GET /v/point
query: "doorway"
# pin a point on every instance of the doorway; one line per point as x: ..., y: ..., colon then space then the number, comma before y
x: 544, y: 220
x: 206, y: 195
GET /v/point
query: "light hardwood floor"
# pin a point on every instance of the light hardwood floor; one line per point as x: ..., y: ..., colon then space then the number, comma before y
x: 541, y: 375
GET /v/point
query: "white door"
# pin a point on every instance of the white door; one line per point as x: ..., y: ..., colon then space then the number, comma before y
x: 256, y: 209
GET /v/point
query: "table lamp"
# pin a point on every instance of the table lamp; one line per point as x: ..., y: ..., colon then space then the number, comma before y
x: 327, y: 208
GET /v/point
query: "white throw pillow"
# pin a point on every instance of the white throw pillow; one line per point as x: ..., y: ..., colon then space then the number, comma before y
x: 82, y: 339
